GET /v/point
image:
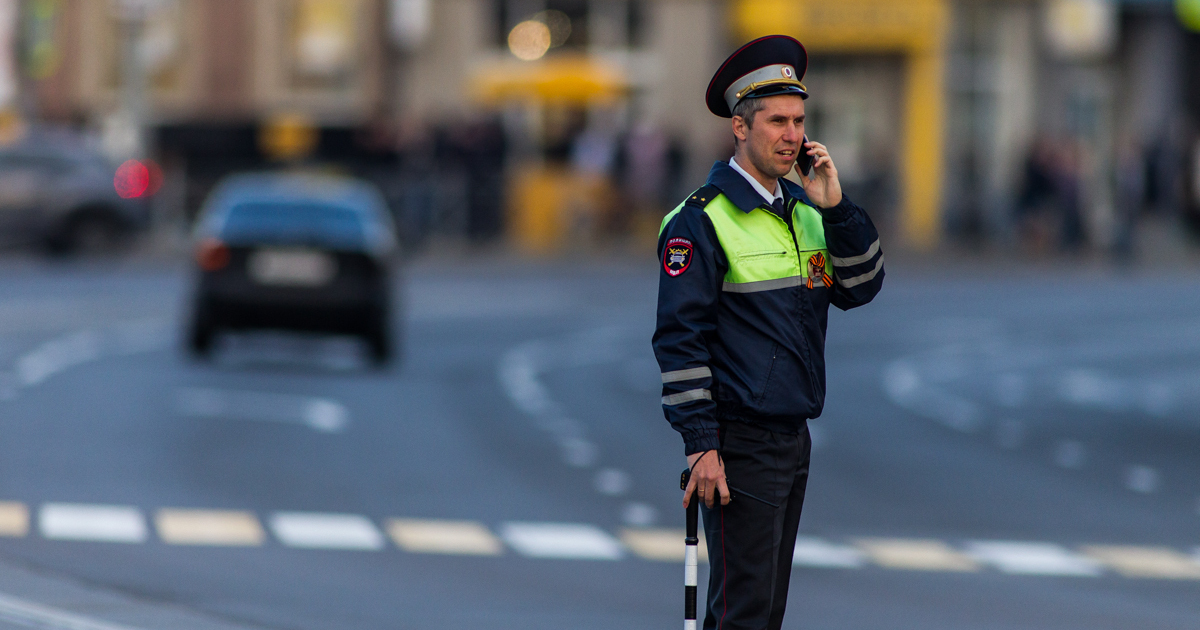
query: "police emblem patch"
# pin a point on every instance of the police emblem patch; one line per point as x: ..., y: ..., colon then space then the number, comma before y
x: 677, y: 256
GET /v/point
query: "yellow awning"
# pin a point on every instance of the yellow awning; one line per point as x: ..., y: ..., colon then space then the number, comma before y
x: 853, y: 26
x: 569, y: 80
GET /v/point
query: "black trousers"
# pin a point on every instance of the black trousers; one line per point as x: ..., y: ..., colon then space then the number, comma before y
x: 750, y: 543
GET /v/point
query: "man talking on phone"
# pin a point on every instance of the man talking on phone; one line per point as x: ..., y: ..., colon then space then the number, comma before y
x: 749, y: 265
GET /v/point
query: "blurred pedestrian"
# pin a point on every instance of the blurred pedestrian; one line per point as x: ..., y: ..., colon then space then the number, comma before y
x: 1038, y: 202
x: 750, y: 263
x: 1130, y: 179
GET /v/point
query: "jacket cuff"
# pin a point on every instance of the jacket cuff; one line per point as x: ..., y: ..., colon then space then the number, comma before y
x: 701, y: 441
x: 840, y: 212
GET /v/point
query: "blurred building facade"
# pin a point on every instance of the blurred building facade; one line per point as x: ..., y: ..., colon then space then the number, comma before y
x: 1059, y: 124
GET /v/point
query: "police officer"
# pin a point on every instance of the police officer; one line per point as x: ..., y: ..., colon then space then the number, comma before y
x: 750, y: 263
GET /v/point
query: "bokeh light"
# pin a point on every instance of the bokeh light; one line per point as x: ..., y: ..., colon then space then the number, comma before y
x: 558, y: 23
x: 132, y: 179
x: 529, y: 40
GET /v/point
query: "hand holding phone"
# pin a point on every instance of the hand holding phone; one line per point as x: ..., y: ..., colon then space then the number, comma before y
x: 804, y: 161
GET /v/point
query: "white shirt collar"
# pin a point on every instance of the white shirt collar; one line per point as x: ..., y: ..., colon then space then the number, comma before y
x: 759, y: 188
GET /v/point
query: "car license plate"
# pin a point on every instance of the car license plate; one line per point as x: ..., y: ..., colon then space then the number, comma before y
x: 290, y: 267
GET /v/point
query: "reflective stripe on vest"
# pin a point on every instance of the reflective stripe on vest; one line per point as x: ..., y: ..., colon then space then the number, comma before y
x: 760, y: 250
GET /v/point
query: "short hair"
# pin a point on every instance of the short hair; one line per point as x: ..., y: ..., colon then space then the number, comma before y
x: 748, y: 108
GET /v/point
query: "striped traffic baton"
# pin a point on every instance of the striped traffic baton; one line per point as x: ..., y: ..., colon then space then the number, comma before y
x: 690, y: 569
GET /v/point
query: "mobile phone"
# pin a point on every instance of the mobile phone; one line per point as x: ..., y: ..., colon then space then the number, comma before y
x: 805, y: 161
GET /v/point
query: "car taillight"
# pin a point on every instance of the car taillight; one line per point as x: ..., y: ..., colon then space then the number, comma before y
x: 212, y: 254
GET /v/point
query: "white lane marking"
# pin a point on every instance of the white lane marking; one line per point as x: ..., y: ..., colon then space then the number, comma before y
x: 1142, y: 479
x: 1146, y: 562
x: 319, y: 530
x: 441, y: 536
x: 1090, y: 388
x: 1070, y: 455
x: 662, y: 545
x: 915, y: 554
x: 26, y: 613
x: 906, y: 388
x: 815, y: 552
x: 14, y: 519
x: 320, y: 414
x: 579, y: 453
x: 520, y: 371
x: 57, y: 355
x: 103, y: 523
x: 637, y: 514
x: 62, y: 353
x: 561, y: 540
x: 1032, y: 558
x: 612, y: 482
x: 209, y: 527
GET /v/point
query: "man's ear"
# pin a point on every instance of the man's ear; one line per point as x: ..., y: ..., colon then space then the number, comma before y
x: 739, y: 128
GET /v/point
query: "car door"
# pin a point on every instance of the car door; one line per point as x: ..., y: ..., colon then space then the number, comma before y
x: 23, y: 184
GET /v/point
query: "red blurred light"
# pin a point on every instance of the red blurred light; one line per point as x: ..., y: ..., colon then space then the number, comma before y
x: 212, y: 254
x: 132, y: 179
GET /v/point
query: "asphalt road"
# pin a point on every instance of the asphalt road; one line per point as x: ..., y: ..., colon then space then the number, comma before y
x: 997, y: 451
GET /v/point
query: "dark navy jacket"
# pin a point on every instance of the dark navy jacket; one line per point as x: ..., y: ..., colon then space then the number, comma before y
x: 752, y: 355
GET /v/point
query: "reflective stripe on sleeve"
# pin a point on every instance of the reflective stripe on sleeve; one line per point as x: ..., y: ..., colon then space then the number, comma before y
x: 688, y: 396
x: 866, y: 277
x: 686, y: 375
x: 857, y: 260
x: 762, y: 285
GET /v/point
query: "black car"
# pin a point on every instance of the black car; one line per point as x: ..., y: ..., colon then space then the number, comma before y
x: 294, y: 252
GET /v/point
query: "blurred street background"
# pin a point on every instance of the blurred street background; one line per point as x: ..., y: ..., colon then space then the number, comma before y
x: 333, y: 314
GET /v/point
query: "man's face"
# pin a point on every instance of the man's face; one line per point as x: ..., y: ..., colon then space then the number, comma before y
x: 774, y: 142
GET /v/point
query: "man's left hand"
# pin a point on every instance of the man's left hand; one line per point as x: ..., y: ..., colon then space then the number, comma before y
x: 823, y: 188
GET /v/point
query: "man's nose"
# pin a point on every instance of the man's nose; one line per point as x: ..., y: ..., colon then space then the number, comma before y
x: 792, y: 133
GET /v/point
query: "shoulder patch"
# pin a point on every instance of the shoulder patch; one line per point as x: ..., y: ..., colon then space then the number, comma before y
x: 677, y: 256
x: 702, y: 196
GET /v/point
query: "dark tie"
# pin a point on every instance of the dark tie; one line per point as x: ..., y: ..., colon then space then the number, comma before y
x: 779, y: 208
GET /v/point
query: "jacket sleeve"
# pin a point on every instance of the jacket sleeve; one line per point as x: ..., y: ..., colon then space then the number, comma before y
x: 854, y: 251
x: 687, y: 321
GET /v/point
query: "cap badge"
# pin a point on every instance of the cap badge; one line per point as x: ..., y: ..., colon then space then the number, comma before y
x: 787, y: 72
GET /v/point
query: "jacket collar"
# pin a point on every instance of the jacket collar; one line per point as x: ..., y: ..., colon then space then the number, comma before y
x: 742, y: 194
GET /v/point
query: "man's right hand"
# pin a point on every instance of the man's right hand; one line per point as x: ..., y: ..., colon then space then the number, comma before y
x: 708, y: 475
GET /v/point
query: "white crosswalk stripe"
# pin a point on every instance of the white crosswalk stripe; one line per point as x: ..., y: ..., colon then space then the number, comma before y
x: 1146, y: 562
x: 440, y: 536
x: 314, y: 530
x: 561, y: 540
x: 102, y: 523
x: 208, y: 527
x: 14, y: 519
x: 915, y: 555
x: 663, y: 545
x: 579, y: 541
x: 1032, y: 558
x: 814, y: 552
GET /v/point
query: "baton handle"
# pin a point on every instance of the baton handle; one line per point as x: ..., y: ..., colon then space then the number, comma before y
x: 690, y: 556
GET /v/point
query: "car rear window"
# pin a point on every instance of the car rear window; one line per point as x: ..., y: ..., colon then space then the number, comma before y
x: 294, y: 224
